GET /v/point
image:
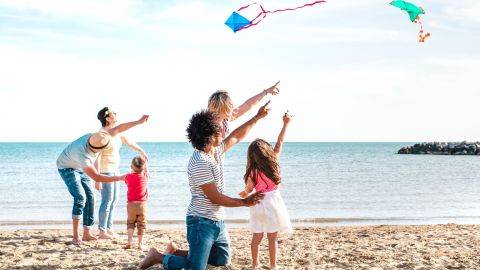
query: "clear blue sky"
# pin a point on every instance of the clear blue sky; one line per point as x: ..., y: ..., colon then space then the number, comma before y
x: 350, y: 70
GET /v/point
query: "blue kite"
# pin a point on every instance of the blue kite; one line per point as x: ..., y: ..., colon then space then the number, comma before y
x: 238, y: 22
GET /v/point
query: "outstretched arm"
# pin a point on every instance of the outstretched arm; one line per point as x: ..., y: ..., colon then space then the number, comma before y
x: 251, y: 102
x: 92, y: 172
x: 216, y: 197
x: 126, y: 126
x: 238, y: 134
x: 281, y: 136
x: 134, y: 146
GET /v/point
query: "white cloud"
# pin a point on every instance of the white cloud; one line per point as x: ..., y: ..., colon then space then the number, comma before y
x: 194, y: 11
x: 464, y: 10
x: 78, y: 40
x: 103, y: 11
x: 343, y: 34
x: 459, y: 62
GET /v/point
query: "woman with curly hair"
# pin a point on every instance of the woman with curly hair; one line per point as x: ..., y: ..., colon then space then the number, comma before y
x: 207, y: 237
x: 270, y: 215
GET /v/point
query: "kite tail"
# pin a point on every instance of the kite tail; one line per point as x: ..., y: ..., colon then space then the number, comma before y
x: 421, y: 36
x: 257, y: 18
x: 244, y: 7
x: 306, y: 5
x: 264, y: 12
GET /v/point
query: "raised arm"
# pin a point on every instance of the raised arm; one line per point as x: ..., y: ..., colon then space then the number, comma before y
x: 126, y: 126
x: 251, y: 102
x: 238, y: 134
x: 281, y: 136
x: 147, y: 174
x: 134, y: 146
x: 216, y: 197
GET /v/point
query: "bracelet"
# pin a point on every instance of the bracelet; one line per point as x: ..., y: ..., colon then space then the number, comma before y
x: 255, y: 118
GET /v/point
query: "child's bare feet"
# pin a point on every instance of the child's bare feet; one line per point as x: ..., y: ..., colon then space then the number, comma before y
x: 128, y: 246
x: 171, y: 248
x: 153, y: 257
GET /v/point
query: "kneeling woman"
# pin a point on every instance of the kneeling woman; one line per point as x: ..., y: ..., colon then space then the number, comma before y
x: 206, y: 210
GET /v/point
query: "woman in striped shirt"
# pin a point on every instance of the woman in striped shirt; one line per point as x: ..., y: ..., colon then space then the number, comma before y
x: 206, y: 234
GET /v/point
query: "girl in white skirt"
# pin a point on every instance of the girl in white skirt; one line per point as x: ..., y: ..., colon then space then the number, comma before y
x: 270, y: 215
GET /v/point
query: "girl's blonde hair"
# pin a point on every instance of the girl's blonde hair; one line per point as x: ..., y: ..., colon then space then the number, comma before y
x: 261, y: 156
x: 220, y: 102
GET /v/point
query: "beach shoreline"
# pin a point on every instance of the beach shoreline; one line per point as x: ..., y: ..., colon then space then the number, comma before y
x: 440, y: 246
x: 12, y: 225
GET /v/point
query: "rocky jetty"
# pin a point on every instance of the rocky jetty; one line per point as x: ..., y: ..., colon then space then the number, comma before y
x: 442, y: 148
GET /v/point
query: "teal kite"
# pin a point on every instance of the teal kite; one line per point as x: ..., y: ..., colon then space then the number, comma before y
x: 414, y: 14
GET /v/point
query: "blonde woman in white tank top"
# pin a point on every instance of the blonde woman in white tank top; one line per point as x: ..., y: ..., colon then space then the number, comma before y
x: 221, y: 104
x: 109, y: 163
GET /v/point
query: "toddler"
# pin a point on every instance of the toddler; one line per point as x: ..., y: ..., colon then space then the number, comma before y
x: 137, y: 196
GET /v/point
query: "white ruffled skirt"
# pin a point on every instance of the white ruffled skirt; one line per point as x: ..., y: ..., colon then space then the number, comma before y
x: 270, y: 215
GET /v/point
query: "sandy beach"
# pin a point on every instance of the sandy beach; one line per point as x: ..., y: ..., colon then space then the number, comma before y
x: 369, y: 247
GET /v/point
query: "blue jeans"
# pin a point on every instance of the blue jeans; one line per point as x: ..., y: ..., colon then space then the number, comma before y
x: 107, y: 206
x: 80, y: 187
x: 209, y: 243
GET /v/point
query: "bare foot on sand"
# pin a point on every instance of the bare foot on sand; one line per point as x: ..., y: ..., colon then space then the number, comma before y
x: 77, y: 241
x: 113, y: 234
x: 171, y: 248
x: 153, y: 257
x: 88, y: 238
x: 104, y: 235
x: 142, y: 247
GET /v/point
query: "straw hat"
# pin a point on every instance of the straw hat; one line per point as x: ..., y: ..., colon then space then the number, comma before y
x: 99, y: 140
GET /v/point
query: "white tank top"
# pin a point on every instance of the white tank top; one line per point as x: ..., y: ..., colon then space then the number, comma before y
x: 110, y: 157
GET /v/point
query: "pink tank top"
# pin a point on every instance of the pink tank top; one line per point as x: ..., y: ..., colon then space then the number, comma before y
x: 264, y: 184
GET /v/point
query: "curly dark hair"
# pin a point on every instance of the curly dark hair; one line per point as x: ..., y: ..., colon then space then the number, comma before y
x: 201, y: 129
x: 261, y: 157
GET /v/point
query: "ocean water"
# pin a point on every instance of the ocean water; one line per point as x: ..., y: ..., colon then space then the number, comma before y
x: 323, y: 184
